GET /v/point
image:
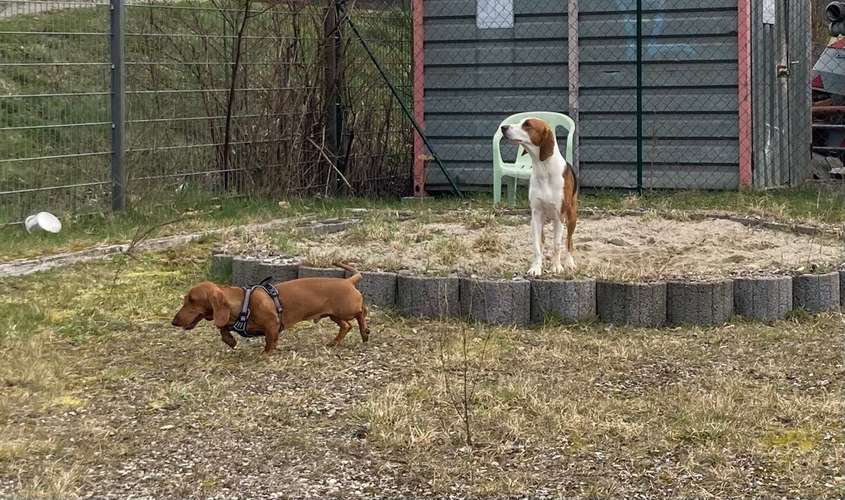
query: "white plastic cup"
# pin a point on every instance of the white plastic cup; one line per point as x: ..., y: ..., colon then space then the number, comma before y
x: 43, y: 221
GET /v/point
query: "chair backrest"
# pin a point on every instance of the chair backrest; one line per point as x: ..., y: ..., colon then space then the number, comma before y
x: 554, y: 119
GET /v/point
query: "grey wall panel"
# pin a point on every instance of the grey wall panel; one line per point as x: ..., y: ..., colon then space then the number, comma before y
x: 475, y: 78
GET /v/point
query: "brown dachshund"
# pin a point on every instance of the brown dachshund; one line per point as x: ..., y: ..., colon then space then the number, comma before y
x: 303, y: 299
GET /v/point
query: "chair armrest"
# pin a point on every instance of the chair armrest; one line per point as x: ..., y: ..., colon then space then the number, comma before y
x: 497, y: 149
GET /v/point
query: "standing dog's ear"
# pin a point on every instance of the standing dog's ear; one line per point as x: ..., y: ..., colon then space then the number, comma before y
x: 220, y: 307
x: 547, y: 143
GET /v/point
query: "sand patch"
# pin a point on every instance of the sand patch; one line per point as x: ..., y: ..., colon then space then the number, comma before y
x: 617, y: 247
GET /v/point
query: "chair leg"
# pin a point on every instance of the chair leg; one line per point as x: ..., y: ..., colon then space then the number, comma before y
x: 497, y: 188
x: 512, y: 191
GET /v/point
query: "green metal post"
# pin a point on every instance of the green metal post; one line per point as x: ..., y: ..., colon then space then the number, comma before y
x: 639, y: 96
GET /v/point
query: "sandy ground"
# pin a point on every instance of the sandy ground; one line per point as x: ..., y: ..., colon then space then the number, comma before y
x: 619, y: 247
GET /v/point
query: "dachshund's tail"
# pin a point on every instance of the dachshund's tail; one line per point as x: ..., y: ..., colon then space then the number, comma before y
x: 356, y: 276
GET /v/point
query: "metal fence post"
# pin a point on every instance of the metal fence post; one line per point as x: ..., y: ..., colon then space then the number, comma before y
x: 574, y: 67
x: 118, y: 101
x: 331, y: 93
x: 639, y: 96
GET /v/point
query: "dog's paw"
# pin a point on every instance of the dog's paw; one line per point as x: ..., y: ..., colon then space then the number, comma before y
x: 556, y: 268
x: 570, y: 263
x: 535, y: 270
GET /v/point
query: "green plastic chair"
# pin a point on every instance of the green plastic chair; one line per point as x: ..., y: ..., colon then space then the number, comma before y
x: 521, y: 168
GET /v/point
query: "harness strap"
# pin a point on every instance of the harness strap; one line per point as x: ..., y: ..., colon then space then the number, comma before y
x: 273, y: 293
x: 243, y: 317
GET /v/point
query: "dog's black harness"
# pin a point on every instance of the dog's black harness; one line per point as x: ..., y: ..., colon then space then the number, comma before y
x: 240, y: 325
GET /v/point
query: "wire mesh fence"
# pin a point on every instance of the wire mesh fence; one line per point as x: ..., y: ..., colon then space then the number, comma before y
x: 828, y: 88
x: 54, y: 106
x: 227, y: 97
x: 680, y: 94
x: 248, y: 97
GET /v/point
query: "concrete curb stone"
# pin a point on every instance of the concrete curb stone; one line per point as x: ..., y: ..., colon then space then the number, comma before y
x: 569, y: 300
x: 631, y: 304
x: 766, y: 298
x: 496, y: 302
x: 702, y: 303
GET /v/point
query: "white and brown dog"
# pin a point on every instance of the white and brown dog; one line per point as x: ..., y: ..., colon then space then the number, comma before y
x: 553, y: 190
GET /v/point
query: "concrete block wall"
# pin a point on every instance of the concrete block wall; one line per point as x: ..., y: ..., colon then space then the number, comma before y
x: 525, y: 302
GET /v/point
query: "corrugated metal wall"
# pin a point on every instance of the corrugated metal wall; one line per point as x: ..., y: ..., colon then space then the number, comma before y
x: 476, y: 77
x: 781, y: 96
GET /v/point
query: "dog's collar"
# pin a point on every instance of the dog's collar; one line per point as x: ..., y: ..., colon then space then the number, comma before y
x: 243, y: 317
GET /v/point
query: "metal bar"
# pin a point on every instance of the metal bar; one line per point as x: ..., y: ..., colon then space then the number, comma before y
x: 55, y: 157
x: 51, y: 64
x: 640, y: 96
x: 53, y: 188
x: 339, y: 69
x: 828, y: 109
x: 66, y: 94
x: 398, y: 98
x: 744, y: 92
x: 574, y: 66
x: 418, y: 51
x: 204, y: 118
x: 60, y: 125
x: 118, y: 103
x: 188, y: 63
x: 201, y: 35
x: 331, y: 30
x: 55, y: 33
x: 195, y: 91
x: 207, y: 145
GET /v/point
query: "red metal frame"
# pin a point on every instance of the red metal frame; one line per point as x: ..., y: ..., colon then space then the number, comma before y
x: 419, y: 95
x: 744, y: 91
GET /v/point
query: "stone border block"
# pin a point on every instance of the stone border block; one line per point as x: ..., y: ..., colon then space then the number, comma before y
x: 816, y: 292
x: 321, y: 272
x: 767, y: 298
x: 569, y: 300
x: 221, y: 267
x: 631, y: 304
x: 842, y: 288
x: 378, y: 289
x: 497, y: 302
x: 246, y: 271
x: 428, y: 297
x: 702, y: 303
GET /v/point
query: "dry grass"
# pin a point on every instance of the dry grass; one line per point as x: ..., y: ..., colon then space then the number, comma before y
x: 101, y: 397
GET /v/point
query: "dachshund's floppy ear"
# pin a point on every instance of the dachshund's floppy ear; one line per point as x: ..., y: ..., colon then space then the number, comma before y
x: 220, y: 307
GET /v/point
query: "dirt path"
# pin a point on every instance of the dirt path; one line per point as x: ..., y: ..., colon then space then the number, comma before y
x: 23, y: 267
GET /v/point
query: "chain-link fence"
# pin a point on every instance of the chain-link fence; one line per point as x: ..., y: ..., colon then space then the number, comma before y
x: 828, y: 86
x: 683, y: 94
x: 227, y: 97
x: 284, y: 97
